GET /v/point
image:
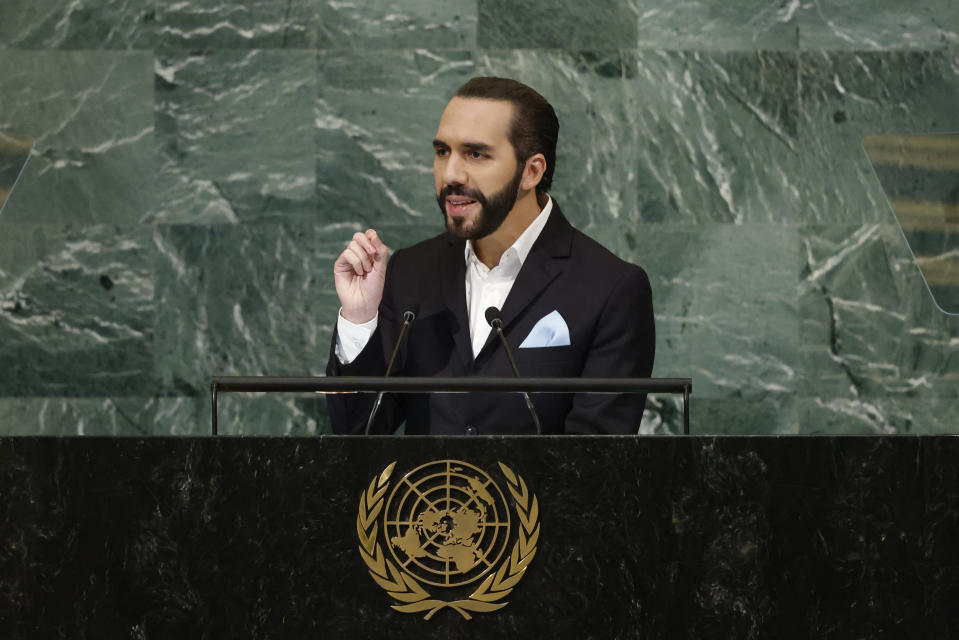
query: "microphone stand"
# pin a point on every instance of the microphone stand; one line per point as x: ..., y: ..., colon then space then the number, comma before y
x: 496, y: 322
x: 408, y: 317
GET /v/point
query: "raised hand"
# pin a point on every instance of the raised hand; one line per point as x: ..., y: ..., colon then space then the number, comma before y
x: 359, y: 273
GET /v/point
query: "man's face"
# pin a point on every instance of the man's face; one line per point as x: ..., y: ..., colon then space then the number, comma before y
x: 474, y: 166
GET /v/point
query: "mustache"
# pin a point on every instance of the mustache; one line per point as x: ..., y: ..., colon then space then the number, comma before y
x: 460, y: 190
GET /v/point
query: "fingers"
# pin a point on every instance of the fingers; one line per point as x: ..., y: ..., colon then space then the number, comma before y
x: 356, y: 256
x: 357, y: 259
x: 370, y: 248
x: 359, y: 274
x: 380, y: 249
x: 361, y: 254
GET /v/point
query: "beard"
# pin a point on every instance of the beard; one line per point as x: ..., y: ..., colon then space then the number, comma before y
x: 493, y: 210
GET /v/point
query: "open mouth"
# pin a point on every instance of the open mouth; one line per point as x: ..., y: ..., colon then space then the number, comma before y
x: 458, y: 205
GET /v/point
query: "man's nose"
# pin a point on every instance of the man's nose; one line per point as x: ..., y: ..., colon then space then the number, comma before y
x: 455, y: 170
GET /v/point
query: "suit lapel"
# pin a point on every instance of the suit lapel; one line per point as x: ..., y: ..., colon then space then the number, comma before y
x: 453, y: 291
x: 545, y: 261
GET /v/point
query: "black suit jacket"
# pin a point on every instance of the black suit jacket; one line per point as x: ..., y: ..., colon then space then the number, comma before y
x: 606, y: 303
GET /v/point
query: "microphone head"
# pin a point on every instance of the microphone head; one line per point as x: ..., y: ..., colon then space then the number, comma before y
x: 492, y: 315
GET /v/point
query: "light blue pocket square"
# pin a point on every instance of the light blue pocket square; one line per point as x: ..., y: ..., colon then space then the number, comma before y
x: 550, y: 331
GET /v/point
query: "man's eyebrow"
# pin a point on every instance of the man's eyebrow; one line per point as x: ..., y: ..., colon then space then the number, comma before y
x: 481, y: 147
x: 477, y: 146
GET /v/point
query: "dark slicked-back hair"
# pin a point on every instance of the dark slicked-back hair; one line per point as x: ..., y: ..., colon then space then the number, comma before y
x: 534, y: 128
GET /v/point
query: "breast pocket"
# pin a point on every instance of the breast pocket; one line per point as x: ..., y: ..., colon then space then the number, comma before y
x: 549, y: 362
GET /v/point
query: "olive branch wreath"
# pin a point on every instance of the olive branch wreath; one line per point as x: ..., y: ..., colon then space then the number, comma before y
x: 404, y: 588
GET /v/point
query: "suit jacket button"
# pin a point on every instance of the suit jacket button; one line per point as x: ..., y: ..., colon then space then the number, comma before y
x: 470, y: 430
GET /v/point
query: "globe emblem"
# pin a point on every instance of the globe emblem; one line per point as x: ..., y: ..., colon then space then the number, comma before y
x: 447, y: 523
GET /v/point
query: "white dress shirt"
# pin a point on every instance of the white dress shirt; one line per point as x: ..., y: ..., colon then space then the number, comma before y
x: 485, y: 288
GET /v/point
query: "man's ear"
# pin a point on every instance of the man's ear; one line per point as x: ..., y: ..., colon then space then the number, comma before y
x: 533, y: 172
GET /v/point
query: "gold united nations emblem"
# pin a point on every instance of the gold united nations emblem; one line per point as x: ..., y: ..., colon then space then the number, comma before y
x: 446, y: 526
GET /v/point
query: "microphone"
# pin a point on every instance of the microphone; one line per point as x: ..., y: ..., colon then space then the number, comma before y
x: 495, y: 320
x: 408, y: 317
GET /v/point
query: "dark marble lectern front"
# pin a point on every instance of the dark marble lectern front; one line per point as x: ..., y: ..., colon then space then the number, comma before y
x: 654, y: 537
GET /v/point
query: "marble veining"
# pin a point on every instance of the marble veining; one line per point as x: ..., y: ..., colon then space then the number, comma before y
x: 15, y: 152
x: 91, y: 114
x: 207, y: 107
x: 199, y: 165
x: 76, y: 315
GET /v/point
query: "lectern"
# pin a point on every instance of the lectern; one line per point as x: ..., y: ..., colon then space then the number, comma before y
x: 575, y: 537
x: 650, y: 537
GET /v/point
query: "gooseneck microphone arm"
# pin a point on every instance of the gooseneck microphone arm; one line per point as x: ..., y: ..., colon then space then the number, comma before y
x: 408, y: 317
x: 495, y: 320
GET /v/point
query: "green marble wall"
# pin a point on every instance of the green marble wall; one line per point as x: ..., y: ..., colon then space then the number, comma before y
x: 199, y: 165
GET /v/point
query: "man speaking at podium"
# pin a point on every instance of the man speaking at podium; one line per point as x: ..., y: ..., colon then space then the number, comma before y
x: 567, y: 306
